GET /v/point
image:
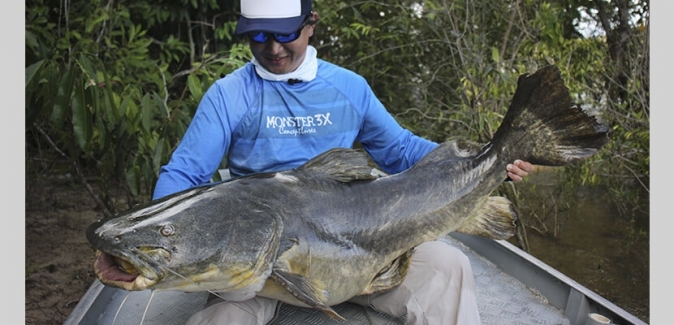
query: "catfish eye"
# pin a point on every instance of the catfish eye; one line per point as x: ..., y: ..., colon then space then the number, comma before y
x: 167, y: 230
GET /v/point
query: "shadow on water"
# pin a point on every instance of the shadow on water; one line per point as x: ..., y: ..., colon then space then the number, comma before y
x: 594, y: 244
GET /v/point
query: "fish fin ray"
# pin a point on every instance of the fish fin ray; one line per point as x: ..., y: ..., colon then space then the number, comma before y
x: 306, y: 290
x: 392, y: 275
x: 496, y: 220
x: 343, y: 165
x: 543, y: 117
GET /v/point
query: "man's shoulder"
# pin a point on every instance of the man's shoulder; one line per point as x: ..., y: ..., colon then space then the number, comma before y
x: 235, y: 85
x: 331, y: 71
x: 242, y: 75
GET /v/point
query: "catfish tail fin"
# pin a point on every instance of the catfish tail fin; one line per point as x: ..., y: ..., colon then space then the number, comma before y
x: 553, y: 131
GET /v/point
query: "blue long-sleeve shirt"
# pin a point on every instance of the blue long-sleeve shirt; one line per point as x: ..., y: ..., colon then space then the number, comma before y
x: 264, y: 125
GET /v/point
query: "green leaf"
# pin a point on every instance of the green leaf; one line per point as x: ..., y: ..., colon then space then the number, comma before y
x: 32, y: 70
x: 91, y: 24
x: 109, y: 112
x: 110, y: 99
x: 157, y: 156
x: 132, y: 116
x: 88, y: 67
x: 494, y: 55
x: 132, y: 33
x: 133, y: 179
x: 101, y: 136
x: 146, y: 106
x: 121, y: 110
x: 195, y: 87
x: 62, y: 100
x: 82, y: 124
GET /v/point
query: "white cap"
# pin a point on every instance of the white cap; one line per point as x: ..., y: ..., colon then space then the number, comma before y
x: 276, y: 16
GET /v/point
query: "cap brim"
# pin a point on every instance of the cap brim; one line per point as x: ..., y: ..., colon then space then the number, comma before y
x: 275, y: 25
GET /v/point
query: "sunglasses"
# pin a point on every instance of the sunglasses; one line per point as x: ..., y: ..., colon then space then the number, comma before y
x: 263, y: 37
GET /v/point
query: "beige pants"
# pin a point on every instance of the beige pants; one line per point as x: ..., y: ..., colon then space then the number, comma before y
x: 439, y: 289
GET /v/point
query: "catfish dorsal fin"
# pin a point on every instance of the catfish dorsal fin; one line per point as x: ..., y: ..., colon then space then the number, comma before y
x: 307, y: 291
x: 341, y: 164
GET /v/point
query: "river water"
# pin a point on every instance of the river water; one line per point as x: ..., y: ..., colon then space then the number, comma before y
x: 594, y: 244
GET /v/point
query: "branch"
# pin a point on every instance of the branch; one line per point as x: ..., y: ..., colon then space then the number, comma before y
x: 100, y: 35
x: 166, y: 95
x: 506, y: 35
x: 80, y: 176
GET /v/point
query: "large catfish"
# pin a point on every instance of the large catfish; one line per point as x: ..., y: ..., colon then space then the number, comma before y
x: 331, y: 229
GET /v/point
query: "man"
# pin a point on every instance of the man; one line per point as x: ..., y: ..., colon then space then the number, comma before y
x: 284, y: 108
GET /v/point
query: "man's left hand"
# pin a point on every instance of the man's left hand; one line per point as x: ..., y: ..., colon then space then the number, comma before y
x: 519, y: 169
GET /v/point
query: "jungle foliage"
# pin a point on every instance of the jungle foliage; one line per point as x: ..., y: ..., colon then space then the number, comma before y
x: 111, y: 85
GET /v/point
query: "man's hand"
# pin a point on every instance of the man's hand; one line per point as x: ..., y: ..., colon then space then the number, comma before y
x: 518, y: 170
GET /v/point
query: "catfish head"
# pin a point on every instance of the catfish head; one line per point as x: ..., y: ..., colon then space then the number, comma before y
x: 200, y: 239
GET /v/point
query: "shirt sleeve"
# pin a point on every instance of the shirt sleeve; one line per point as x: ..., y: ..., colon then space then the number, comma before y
x: 201, y: 149
x: 392, y: 147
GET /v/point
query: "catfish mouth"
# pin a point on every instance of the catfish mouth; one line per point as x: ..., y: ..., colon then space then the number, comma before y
x: 130, y: 273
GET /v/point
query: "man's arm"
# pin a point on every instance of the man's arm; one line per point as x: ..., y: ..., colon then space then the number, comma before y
x: 200, y: 151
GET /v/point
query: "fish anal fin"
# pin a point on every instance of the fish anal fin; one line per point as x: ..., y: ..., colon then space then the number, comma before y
x: 496, y: 220
x: 392, y: 275
x: 311, y: 293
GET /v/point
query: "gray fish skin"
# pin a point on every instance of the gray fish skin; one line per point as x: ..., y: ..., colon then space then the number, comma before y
x: 329, y: 230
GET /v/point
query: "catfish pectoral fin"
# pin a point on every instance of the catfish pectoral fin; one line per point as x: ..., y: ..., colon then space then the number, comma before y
x: 308, y: 291
x: 496, y: 220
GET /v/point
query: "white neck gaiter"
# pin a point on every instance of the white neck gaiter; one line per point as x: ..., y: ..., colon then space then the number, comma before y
x: 305, y: 72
